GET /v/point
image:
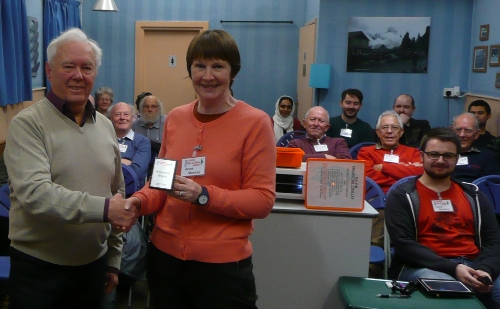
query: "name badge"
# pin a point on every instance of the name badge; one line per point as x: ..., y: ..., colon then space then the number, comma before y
x: 122, y: 147
x: 193, y: 167
x: 320, y: 148
x: 442, y: 206
x: 346, y: 132
x: 463, y: 161
x: 391, y: 158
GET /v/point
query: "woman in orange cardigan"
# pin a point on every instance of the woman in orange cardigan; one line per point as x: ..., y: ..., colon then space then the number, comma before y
x: 200, y: 254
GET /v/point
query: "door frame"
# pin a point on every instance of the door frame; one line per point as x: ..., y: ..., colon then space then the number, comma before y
x: 140, y: 29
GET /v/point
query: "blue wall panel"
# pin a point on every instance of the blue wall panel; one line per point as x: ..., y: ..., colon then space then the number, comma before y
x: 485, y: 12
x: 269, y: 51
x: 449, y: 54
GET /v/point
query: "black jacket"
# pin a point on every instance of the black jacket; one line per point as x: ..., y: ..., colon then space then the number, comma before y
x: 402, y: 209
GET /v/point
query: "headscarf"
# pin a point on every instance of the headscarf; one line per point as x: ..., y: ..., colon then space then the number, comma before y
x: 282, y: 123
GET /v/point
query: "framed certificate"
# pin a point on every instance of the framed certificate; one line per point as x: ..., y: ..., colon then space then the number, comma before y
x: 163, y: 174
x: 335, y: 184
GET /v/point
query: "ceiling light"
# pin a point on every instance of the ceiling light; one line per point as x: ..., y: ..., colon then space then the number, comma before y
x: 105, y: 5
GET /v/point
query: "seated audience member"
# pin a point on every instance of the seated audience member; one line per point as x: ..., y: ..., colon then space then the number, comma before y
x: 347, y: 125
x: 482, y: 110
x: 494, y: 146
x: 151, y: 122
x: 283, y: 120
x: 135, y: 148
x: 414, y: 130
x: 316, y: 144
x: 103, y: 100
x: 442, y: 228
x: 138, y: 100
x: 473, y: 162
x: 388, y: 161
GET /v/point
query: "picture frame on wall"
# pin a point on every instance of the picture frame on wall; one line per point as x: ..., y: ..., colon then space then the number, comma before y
x: 480, y: 61
x: 484, y: 32
x: 497, y: 80
x: 494, y: 55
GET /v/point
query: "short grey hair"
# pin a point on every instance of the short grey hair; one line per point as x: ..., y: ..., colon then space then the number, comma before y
x: 476, y: 121
x: 389, y: 113
x: 73, y: 35
x: 327, y: 115
x: 160, y: 105
x: 104, y: 90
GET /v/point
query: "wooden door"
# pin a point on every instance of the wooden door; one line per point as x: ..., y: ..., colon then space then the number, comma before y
x: 307, y: 53
x: 160, y: 60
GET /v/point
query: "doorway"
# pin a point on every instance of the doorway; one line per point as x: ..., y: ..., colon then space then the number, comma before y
x: 160, y: 60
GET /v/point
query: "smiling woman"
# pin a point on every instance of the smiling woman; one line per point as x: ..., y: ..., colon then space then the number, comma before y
x: 200, y: 252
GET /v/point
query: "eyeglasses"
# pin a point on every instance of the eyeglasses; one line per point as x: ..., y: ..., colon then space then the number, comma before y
x: 433, y: 155
x: 393, y: 128
x: 466, y: 131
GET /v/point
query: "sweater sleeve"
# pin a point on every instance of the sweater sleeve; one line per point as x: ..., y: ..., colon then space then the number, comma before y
x: 341, y: 150
x: 382, y: 179
x: 141, y: 157
x: 256, y: 197
x: 404, y: 169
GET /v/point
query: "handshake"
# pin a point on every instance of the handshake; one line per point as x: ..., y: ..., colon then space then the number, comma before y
x: 123, y: 213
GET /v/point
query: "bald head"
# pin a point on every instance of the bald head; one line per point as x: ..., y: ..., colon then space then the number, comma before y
x: 316, y: 122
x: 121, y: 117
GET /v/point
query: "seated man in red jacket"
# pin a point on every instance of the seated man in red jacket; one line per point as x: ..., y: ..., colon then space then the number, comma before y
x: 388, y: 161
x: 316, y: 144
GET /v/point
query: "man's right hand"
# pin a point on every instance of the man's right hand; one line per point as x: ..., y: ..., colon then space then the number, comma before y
x: 404, y: 118
x: 120, y: 215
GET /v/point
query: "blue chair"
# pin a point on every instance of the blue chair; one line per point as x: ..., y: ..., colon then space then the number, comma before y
x: 4, y: 196
x: 131, y: 180
x: 285, y: 139
x: 490, y: 185
x: 355, y: 149
x: 376, y: 197
x: 397, y: 183
x: 4, y: 267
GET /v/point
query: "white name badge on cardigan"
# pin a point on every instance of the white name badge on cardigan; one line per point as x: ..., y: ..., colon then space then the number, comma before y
x: 346, y: 132
x: 193, y: 166
x: 320, y: 148
x: 122, y: 147
x: 463, y: 161
x: 442, y: 206
x: 391, y: 158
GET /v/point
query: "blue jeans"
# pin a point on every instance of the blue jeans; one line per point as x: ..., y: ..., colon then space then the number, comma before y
x: 490, y: 300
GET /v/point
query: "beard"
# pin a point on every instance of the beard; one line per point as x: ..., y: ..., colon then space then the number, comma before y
x: 150, y: 119
x: 432, y: 174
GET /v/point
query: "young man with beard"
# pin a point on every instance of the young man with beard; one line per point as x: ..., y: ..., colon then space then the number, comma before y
x: 151, y: 122
x: 347, y: 125
x: 442, y: 228
x: 482, y: 110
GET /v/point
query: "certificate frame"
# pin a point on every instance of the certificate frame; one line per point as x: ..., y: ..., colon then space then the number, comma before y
x: 163, y: 174
x: 335, y: 184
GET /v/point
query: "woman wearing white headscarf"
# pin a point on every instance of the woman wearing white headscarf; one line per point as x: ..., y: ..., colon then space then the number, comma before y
x: 283, y: 120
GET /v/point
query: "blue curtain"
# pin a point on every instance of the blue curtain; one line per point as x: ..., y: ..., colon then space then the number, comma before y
x: 15, y: 65
x: 58, y: 16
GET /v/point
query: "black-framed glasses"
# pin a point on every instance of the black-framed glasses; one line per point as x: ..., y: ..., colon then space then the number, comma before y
x: 434, y: 155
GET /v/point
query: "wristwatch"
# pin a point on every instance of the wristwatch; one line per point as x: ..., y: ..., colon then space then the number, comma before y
x: 203, y: 197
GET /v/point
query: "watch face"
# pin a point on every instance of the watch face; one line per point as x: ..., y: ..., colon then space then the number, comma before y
x: 202, y: 199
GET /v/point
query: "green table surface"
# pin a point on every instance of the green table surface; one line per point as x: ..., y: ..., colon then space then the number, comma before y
x: 359, y: 293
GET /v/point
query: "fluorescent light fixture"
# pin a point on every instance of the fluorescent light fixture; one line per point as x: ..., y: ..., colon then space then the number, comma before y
x: 105, y: 5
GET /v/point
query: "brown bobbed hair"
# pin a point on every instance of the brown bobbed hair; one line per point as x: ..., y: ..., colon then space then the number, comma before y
x: 213, y: 45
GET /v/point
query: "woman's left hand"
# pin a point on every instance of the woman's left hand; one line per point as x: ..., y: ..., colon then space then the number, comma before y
x: 185, y: 189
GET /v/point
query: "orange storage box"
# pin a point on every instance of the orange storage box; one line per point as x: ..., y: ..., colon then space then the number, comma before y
x: 289, y: 157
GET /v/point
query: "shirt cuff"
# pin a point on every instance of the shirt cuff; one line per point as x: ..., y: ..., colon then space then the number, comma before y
x: 106, y: 210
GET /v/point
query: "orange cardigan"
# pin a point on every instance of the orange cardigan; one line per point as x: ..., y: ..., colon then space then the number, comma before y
x: 240, y: 176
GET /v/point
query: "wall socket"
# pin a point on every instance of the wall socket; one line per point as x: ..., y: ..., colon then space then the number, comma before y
x: 454, y: 92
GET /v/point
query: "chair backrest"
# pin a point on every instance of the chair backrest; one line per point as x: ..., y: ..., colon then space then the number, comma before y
x: 374, y: 194
x: 397, y: 183
x: 286, y: 138
x: 490, y: 185
x: 355, y: 149
x: 131, y: 180
x: 4, y: 196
